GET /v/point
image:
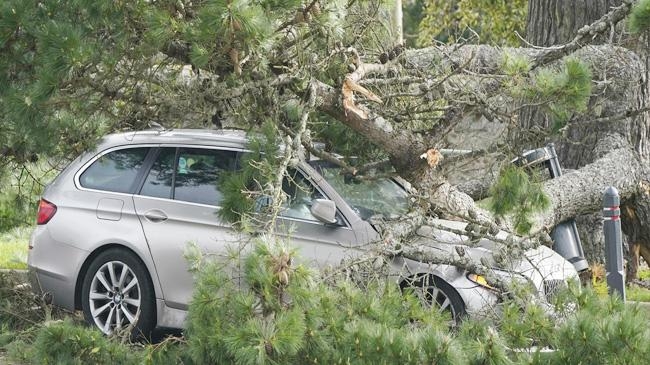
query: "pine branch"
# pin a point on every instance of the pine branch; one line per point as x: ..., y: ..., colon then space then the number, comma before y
x: 289, y: 153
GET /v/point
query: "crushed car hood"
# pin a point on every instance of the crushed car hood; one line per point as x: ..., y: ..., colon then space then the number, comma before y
x: 541, y: 265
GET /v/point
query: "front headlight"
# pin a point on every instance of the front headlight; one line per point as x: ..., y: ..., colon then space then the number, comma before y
x: 480, y: 280
x: 498, y: 280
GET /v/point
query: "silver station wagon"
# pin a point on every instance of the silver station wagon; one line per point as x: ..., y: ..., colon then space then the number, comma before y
x: 114, y: 225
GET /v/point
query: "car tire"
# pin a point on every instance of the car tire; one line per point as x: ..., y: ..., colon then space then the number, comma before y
x: 433, y: 290
x: 117, y: 295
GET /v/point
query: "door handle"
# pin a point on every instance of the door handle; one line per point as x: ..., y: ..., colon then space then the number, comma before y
x: 155, y: 216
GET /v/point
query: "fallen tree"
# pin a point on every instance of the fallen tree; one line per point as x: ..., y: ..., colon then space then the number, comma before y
x: 175, y: 65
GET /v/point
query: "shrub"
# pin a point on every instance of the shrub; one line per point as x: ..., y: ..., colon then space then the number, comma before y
x: 66, y: 343
x: 604, y: 331
x: 275, y: 312
x: 264, y: 309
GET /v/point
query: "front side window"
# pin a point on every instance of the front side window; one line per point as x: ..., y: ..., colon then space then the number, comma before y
x: 300, y: 194
x: 115, y: 171
x: 197, y: 174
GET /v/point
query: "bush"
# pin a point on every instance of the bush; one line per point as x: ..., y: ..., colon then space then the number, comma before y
x: 276, y: 313
x: 67, y: 343
x: 604, y: 331
x: 280, y: 313
x: 266, y: 310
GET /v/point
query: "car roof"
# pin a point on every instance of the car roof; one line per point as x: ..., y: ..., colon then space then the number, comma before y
x: 182, y: 136
x: 233, y: 138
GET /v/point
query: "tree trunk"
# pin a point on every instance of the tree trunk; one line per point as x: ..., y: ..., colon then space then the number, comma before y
x: 552, y: 22
x: 555, y: 22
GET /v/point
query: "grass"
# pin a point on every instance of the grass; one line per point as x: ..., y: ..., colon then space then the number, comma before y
x: 13, y: 248
x: 637, y: 294
x: 632, y: 292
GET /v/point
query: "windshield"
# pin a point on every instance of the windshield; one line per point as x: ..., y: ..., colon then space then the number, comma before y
x: 368, y: 196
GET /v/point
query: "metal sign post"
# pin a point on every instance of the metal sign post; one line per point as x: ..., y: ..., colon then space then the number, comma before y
x: 613, y: 242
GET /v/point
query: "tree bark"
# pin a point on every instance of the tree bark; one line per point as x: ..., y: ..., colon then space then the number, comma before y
x: 553, y: 23
x: 616, y: 149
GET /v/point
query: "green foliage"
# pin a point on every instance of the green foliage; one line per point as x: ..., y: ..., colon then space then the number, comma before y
x: 69, y: 342
x: 66, y: 343
x: 243, y: 189
x: 495, y: 22
x: 232, y: 28
x: 13, y: 248
x: 260, y: 325
x: 73, y: 70
x: 515, y: 65
x: 275, y: 312
x: 14, y: 210
x: 637, y: 293
x: 605, y: 331
x: 413, y: 13
x: 515, y: 193
x: 259, y: 316
x: 633, y: 292
x: 563, y: 92
x: 644, y: 274
x: 527, y: 326
x: 280, y: 313
x: 639, y: 19
x: 45, y: 49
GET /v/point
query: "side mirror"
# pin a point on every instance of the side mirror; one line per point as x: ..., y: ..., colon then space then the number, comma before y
x: 324, y: 210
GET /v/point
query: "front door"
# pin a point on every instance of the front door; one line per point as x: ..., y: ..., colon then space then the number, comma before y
x: 319, y: 244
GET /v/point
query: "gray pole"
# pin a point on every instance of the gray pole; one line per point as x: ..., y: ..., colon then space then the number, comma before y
x: 613, y: 242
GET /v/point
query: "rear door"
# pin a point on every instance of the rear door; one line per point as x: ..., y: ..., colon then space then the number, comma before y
x: 177, y: 205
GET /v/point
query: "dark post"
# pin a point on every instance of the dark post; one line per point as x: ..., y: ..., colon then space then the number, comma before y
x: 566, y: 240
x: 613, y: 242
x: 553, y: 162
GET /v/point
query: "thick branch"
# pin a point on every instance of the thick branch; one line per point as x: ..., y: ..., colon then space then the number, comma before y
x: 402, y: 146
x: 580, y: 191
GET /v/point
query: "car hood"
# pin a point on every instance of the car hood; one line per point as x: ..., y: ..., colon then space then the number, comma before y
x: 542, y: 266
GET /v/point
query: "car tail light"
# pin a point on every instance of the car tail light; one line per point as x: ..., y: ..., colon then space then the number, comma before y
x: 46, y: 211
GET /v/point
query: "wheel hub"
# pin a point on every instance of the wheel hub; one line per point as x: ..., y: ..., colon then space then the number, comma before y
x: 114, y: 296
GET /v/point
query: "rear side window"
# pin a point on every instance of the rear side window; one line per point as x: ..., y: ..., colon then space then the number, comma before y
x: 197, y: 174
x: 115, y: 171
x: 191, y: 174
x: 159, y: 180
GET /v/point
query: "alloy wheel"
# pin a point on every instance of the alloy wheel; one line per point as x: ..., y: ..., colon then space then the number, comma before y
x: 114, y: 297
